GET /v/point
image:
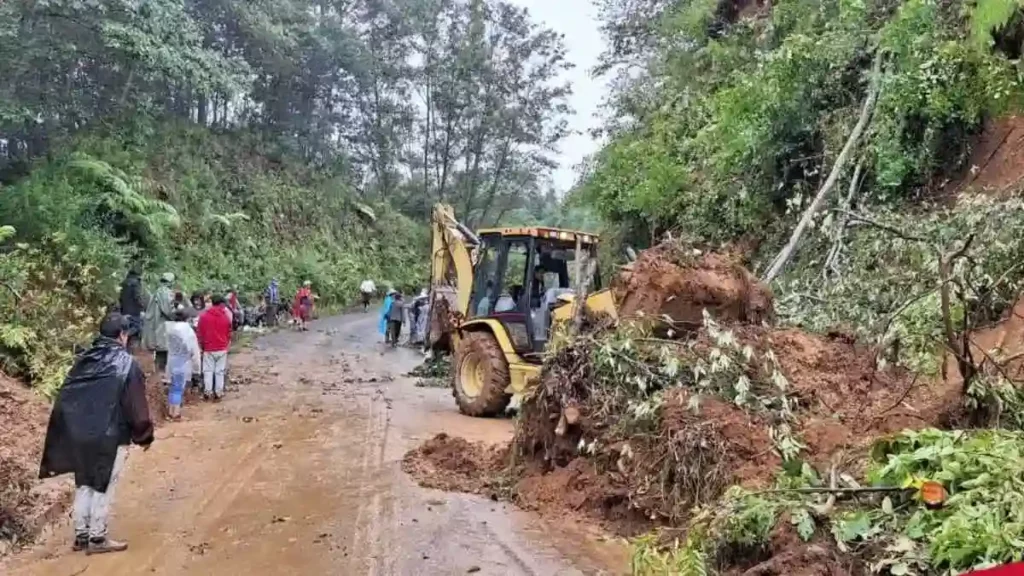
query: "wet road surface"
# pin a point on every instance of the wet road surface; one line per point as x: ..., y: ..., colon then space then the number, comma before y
x: 298, y: 472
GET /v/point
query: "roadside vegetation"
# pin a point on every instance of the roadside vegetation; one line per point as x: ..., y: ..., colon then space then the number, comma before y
x: 232, y: 142
x: 860, y: 157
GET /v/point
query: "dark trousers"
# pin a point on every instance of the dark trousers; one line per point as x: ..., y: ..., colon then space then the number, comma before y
x: 394, y: 331
x: 134, y: 332
x: 161, y: 362
x: 270, y: 315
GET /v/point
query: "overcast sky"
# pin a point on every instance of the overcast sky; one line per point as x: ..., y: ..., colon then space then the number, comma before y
x: 576, y: 19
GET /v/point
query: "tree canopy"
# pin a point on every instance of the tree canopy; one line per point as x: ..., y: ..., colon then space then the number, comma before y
x: 408, y: 101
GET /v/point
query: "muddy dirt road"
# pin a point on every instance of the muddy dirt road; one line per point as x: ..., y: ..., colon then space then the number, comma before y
x: 298, y: 472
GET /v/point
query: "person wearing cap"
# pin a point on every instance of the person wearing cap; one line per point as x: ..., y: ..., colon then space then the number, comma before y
x: 214, y: 333
x: 100, y: 410
x: 303, y: 306
x: 159, y: 311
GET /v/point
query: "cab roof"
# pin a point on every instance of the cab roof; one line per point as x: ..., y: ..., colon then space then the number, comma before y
x: 544, y: 232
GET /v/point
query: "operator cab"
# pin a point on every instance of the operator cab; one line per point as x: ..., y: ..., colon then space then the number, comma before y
x: 519, y: 277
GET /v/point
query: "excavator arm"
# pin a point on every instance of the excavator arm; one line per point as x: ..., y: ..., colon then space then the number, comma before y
x: 453, y: 252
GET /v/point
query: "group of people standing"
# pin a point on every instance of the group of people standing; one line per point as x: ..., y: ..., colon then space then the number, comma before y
x: 187, y: 340
x: 102, y: 409
x: 396, y: 312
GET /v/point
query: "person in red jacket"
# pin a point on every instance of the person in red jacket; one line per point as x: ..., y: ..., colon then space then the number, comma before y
x: 214, y: 333
x: 302, y: 309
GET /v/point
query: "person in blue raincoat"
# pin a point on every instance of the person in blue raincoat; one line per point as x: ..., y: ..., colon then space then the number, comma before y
x: 382, y: 323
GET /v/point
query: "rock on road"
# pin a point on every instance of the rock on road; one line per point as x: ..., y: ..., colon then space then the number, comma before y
x: 298, y: 471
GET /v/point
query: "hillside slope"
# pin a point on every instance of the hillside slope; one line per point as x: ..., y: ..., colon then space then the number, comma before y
x: 219, y: 210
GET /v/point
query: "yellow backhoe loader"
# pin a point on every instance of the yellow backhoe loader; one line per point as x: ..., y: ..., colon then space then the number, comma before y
x: 494, y: 297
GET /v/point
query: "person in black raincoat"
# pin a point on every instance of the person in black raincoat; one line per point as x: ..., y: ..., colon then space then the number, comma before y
x: 99, y: 412
x: 132, y: 304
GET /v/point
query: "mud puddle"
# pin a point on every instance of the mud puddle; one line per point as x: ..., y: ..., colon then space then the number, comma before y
x: 298, y: 471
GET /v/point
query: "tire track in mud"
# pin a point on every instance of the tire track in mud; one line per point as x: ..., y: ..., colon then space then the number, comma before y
x: 374, y: 504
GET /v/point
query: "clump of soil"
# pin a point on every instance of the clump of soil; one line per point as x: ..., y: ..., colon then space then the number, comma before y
x: 633, y: 482
x: 454, y: 464
x: 679, y: 282
x: 26, y: 503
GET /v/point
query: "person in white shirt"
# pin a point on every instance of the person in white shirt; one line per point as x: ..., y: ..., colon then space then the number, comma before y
x: 366, y: 290
x: 183, y: 355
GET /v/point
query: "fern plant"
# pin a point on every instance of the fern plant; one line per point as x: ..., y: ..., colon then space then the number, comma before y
x: 990, y: 16
x: 119, y: 202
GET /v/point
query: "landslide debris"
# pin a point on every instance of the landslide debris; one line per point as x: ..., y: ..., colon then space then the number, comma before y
x: 26, y: 503
x: 454, y: 464
x: 639, y: 427
x: 681, y: 283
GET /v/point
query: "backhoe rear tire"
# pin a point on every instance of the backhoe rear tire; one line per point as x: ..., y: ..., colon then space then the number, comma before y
x: 481, y: 376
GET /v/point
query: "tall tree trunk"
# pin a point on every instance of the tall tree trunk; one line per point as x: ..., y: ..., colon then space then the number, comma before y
x: 426, y: 139
x: 127, y: 87
x: 784, y: 256
x: 201, y: 110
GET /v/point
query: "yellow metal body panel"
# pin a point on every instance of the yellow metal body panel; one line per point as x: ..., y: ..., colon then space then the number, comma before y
x: 450, y: 252
x: 522, y: 376
x: 601, y: 302
x: 520, y: 371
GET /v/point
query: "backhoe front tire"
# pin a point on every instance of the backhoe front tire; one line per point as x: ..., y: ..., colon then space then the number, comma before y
x: 481, y: 376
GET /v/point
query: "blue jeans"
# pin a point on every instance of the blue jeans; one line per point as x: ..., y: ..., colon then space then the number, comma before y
x: 177, y: 388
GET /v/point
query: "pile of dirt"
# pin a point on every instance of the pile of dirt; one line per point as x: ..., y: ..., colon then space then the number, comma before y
x: 674, y: 280
x: 26, y: 503
x: 845, y: 401
x: 454, y: 464
x: 634, y: 482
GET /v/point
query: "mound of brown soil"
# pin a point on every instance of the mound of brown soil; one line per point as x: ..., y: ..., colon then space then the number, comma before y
x: 454, y: 464
x: 26, y: 504
x: 672, y: 280
x: 845, y: 401
x: 634, y: 482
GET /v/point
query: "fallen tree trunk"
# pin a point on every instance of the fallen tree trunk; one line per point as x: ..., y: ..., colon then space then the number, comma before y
x: 865, y: 116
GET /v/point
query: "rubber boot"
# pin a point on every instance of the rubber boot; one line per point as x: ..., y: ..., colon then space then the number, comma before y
x: 81, y: 542
x: 104, y: 546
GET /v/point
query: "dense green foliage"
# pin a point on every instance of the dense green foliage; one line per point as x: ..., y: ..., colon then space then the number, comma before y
x: 233, y: 141
x: 734, y: 114
x: 410, y: 101
x: 212, y: 209
x: 889, y: 533
x: 727, y: 117
x: 725, y: 121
